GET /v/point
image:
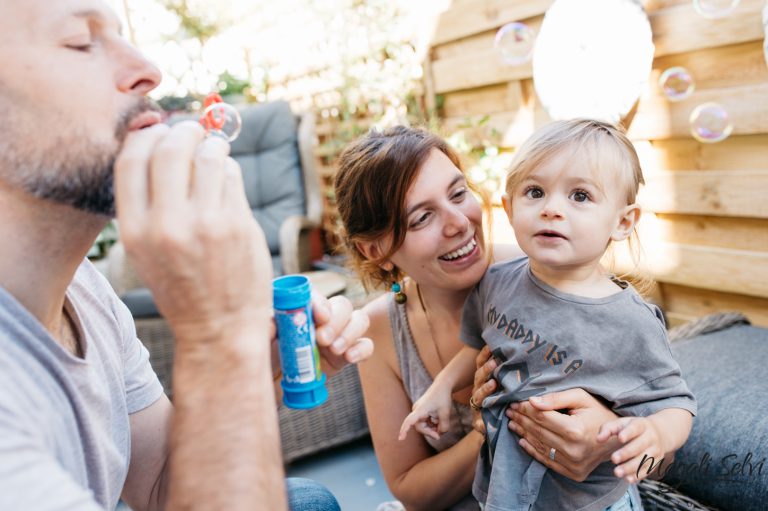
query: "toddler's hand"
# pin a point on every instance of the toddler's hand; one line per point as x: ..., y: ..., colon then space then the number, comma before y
x: 642, y: 446
x: 430, y: 416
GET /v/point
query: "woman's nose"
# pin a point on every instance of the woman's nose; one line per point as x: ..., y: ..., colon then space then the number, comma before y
x: 456, y: 222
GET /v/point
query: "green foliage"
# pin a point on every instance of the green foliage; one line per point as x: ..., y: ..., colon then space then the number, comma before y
x: 229, y: 84
x: 193, y: 23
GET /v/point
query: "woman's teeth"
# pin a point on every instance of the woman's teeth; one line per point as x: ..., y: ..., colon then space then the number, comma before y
x: 460, y: 252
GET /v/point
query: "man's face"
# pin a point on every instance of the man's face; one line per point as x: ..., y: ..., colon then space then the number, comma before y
x: 70, y: 89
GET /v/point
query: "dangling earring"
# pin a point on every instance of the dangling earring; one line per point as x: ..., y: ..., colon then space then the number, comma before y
x: 399, y: 295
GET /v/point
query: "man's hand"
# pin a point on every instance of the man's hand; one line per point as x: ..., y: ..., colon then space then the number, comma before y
x: 186, y: 225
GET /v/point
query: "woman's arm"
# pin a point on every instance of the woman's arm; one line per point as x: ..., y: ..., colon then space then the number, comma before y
x: 419, y: 478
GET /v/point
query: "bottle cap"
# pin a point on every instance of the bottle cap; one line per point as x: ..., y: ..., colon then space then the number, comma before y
x: 291, y: 292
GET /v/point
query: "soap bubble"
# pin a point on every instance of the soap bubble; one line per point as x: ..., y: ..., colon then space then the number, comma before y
x: 710, y: 123
x: 514, y: 42
x: 222, y: 120
x: 676, y: 83
x: 713, y: 9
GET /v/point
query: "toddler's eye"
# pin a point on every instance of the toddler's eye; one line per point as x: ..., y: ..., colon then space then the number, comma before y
x: 580, y: 196
x: 534, y: 192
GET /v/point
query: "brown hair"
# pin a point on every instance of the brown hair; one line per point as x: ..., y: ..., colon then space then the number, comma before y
x: 374, y: 176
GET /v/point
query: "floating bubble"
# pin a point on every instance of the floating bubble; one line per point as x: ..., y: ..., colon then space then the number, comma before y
x: 710, y: 123
x: 712, y: 9
x: 514, y: 42
x: 676, y: 83
x: 222, y: 120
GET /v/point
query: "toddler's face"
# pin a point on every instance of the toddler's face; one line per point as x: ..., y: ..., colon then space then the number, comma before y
x: 564, y: 214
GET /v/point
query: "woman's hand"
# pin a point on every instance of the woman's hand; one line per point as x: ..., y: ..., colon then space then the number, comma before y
x: 573, y: 435
x: 339, y: 333
x: 484, y: 386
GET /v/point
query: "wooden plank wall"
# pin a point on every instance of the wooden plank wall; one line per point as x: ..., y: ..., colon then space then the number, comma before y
x: 709, y: 202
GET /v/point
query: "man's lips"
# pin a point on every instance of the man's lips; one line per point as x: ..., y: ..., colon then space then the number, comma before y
x: 144, y: 120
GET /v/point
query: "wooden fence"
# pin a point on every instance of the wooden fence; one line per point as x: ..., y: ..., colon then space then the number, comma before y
x: 710, y: 200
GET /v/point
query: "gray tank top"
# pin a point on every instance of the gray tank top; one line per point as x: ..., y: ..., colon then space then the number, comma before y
x: 417, y: 380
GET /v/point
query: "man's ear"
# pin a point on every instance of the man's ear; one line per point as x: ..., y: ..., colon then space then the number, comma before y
x: 630, y: 215
x: 372, y: 250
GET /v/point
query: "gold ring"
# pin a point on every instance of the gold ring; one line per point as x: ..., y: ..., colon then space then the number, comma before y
x: 473, y: 404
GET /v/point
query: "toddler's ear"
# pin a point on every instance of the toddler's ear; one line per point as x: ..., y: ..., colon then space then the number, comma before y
x: 506, y: 202
x: 630, y: 215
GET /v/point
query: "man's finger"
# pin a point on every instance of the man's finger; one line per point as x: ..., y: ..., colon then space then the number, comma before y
x: 170, y: 171
x: 132, y: 172
x: 209, y: 172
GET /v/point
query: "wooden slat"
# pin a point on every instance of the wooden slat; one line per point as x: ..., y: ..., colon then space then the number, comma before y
x: 657, y: 118
x: 692, y: 302
x: 746, y: 152
x: 736, y: 233
x: 680, y: 29
x: 724, y: 66
x: 719, y: 269
x: 656, y: 5
x: 476, y: 70
x: 464, y: 20
x: 733, y: 193
x: 485, y: 100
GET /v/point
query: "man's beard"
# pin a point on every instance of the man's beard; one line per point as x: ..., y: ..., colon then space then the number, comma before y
x: 78, y: 172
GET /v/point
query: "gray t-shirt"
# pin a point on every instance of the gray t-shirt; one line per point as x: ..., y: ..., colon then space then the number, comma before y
x: 545, y: 341
x: 64, y: 433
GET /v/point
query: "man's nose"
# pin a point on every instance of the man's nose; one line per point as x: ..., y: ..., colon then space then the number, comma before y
x: 136, y: 74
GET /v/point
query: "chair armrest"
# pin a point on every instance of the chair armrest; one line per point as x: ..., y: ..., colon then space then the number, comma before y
x: 294, y: 243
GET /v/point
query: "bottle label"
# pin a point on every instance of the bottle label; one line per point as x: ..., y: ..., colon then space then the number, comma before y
x: 299, y: 357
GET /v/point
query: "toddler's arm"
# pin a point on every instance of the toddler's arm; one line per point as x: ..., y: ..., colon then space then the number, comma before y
x: 431, y: 413
x: 646, y: 440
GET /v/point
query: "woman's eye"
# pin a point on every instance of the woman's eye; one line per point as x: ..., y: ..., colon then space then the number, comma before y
x: 580, y: 196
x: 459, y: 195
x: 534, y: 193
x: 420, y: 220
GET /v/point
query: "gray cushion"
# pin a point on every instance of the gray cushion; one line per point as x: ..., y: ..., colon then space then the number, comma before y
x: 140, y: 302
x: 726, y: 372
x: 267, y: 151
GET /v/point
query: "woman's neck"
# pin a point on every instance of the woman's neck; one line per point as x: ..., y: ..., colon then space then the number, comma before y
x: 441, y: 301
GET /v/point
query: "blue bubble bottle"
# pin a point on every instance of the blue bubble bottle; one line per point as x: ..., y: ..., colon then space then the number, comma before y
x: 303, y: 383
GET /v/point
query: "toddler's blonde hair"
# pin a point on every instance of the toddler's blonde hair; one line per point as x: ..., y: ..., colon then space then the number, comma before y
x: 603, y: 147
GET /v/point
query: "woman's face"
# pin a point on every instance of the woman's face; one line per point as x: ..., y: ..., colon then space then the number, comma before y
x: 444, y: 244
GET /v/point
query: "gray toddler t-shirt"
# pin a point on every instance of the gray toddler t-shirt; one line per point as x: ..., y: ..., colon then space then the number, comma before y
x: 546, y: 341
x: 64, y: 432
